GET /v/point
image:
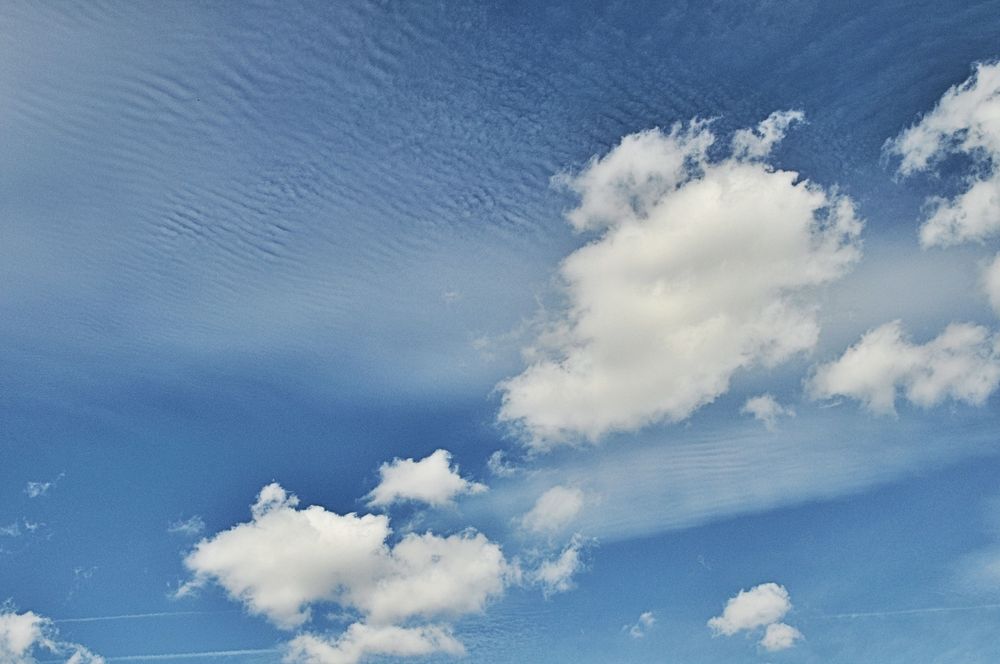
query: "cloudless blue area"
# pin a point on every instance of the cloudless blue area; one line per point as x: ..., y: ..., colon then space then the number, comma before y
x: 245, y: 242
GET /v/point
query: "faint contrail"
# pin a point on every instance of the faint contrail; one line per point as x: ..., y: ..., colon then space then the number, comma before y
x: 903, y: 612
x: 138, y: 616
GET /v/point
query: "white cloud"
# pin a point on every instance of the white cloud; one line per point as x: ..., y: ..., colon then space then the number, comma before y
x: 643, y: 625
x: 37, y: 489
x: 966, y: 121
x: 286, y: 559
x: 499, y: 466
x: 431, y: 480
x: 22, y: 635
x: 761, y: 606
x: 554, y: 510
x: 766, y: 408
x: 962, y: 363
x: 779, y: 636
x: 556, y: 575
x: 703, y: 267
x: 361, y: 640
x: 991, y: 283
x: 187, y: 527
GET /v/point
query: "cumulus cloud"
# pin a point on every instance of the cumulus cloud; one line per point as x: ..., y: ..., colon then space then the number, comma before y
x: 766, y: 408
x: 703, y: 267
x: 38, y: 489
x: 761, y: 606
x: 962, y: 364
x: 287, y: 559
x: 23, y: 635
x: 966, y: 121
x: 556, y: 575
x: 432, y: 480
x: 779, y: 636
x: 361, y: 641
x: 641, y: 626
x: 554, y: 510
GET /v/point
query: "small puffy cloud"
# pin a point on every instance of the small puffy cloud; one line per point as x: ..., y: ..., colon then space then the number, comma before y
x: 556, y: 575
x: 702, y: 267
x: 766, y: 408
x: 779, y: 636
x: 641, y: 626
x: 23, y: 635
x: 966, y: 121
x: 361, y: 641
x: 760, y: 606
x: 962, y: 364
x: 187, y: 527
x: 287, y: 559
x: 432, y: 480
x: 554, y: 510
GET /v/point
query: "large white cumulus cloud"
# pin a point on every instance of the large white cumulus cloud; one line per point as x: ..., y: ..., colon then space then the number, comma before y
x: 962, y: 364
x: 286, y: 559
x: 966, y: 121
x: 703, y: 267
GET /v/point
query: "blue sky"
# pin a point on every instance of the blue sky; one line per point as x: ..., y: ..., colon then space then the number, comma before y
x: 699, y: 300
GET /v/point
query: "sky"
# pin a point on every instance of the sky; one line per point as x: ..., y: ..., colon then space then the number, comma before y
x: 500, y: 332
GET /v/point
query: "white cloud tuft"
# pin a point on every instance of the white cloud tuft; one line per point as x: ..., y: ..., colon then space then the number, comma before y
x: 766, y: 408
x: 556, y: 575
x: 187, y: 527
x: 704, y: 267
x: 554, y: 510
x: 962, y: 363
x: 431, y: 480
x: 779, y: 636
x: 966, y: 121
x: 361, y: 640
x: 643, y: 625
x: 761, y: 606
x: 24, y: 634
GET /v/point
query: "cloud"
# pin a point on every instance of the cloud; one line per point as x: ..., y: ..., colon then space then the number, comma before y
x: 432, y: 480
x: 187, y: 527
x: 37, y: 489
x: 991, y: 283
x: 287, y: 559
x: 643, y: 625
x: 766, y: 408
x: 962, y: 364
x: 966, y: 121
x: 556, y: 575
x: 22, y: 635
x: 779, y: 636
x: 761, y: 606
x: 499, y: 466
x: 554, y: 510
x: 361, y: 641
x: 703, y: 267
